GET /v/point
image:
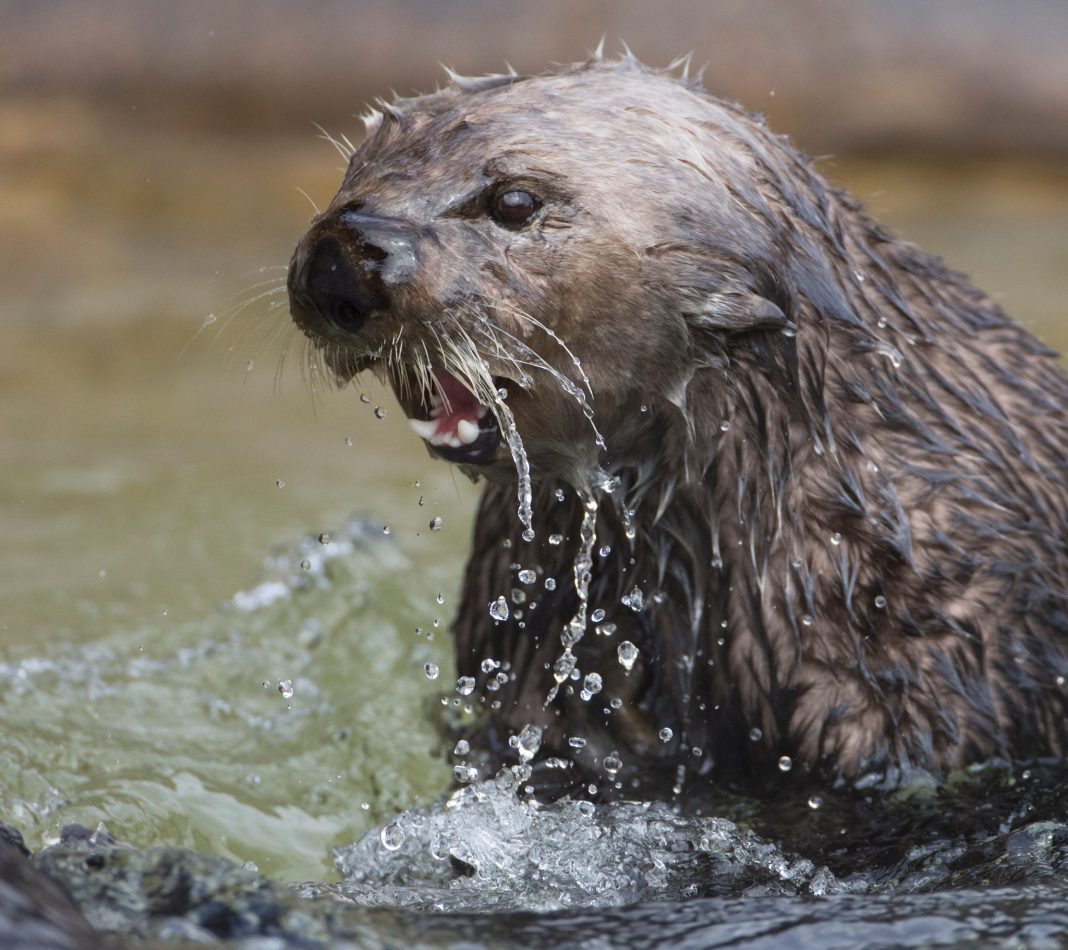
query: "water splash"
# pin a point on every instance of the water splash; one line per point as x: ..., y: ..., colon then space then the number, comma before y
x: 575, y: 628
x: 522, y: 467
x: 485, y: 849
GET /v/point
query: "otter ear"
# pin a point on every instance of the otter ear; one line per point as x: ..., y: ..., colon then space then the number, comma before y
x: 738, y: 311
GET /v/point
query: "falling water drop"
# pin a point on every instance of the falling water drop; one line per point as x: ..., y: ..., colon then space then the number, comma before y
x: 499, y: 609
x: 627, y: 653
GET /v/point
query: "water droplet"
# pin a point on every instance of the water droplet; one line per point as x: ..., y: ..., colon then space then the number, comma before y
x: 725, y: 426
x: 280, y: 483
x: 563, y: 666
x: 634, y: 600
x: 462, y: 747
x: 666, y: 734
x: 392, y: 836
x: 465, y: 685
x: 465, y: 774
x: 880, y: 602
x: 528, y: 742
x: 591, y: 686
x: 836, y: 538
x: 499, y: 609
x: 385, y: 529
x: 806, y: 620
x: 786, y: 763
x: 643, y: 408
x: 576, y: 742
x: 606, y: 629
x: 440, y: 597
x: 612, y: 763
x: 285, y: 687
x: 627, y: 653
x: 422, y: 501
x: 431, y: 670
x: 616, y: 703
x: 559, y: 494
x: 605, y: 550
x: 556, y: 539
x: 550, y: 583
x: 756, y: 734
x: 527, y: 577
x: 489, y: 665
x: 380, y: 413
x: 597, y: 616
x: 435, y: 524
x: 815, y: 801
x: 348, y: 442
x: 1060, y: 681
x: 365, y: 399
x: 325, y: 538
x: 891, y: 353
x: 528, y: 535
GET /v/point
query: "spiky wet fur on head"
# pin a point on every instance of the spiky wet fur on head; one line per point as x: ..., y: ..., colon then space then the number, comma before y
x: 846, y: 465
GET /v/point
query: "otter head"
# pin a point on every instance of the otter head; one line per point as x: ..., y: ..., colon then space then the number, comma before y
x: 563, y: 250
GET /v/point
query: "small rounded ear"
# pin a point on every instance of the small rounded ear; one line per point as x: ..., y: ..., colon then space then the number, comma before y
x: 738, y: 310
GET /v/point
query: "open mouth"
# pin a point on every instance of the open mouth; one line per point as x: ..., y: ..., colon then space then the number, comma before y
x: 453, y: 423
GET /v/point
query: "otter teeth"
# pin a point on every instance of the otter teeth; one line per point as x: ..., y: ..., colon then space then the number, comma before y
x: 425, y: 429
x: 465, y: 432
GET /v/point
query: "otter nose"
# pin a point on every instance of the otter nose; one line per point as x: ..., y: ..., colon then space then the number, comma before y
x: 344, y: 269
x: 343, y: 291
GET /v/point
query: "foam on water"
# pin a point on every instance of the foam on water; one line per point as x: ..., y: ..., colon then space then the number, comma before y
x: 485, y: 848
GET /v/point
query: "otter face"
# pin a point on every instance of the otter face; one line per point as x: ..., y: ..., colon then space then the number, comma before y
x: 540, y: 249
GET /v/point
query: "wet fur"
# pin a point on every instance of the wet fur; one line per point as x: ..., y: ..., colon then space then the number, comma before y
x: 867, y: 564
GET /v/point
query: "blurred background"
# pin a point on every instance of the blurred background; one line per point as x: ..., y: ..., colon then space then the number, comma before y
x: 159, y: 160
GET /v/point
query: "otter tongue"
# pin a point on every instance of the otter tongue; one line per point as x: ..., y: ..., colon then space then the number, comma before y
x: 454, y: 411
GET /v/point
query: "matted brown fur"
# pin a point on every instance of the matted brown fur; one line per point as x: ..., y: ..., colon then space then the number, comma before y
x: 846, y: 464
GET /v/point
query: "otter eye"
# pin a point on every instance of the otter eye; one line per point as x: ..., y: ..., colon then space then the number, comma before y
x: 513, y: 209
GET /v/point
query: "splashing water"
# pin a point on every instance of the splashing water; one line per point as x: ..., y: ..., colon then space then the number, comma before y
x: 485, y: 849
x: 522, y: 468
x: 575, y: 628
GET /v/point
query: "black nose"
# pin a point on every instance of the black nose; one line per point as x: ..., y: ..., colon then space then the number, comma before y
x: 335, y: 287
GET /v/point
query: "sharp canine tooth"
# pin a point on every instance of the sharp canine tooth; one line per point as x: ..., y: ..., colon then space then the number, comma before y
x: 424, y: 429
x: 467, y: 431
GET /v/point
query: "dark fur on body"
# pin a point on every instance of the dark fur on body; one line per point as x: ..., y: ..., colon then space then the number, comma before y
x: 848, y: 480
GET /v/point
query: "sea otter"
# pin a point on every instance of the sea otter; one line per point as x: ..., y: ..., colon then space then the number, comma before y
x: 796, y: 493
